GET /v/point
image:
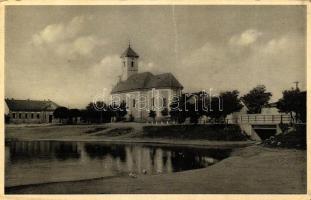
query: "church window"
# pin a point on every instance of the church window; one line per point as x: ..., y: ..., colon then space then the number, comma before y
x: 152, y: 101
x: 132, y: 63
x: 20, y: 115
x: 31, y: 115
x: 134, y: 103
x: 124, y: 63
x: 26, y: 116
x: 164, y: 102
x: 38, y: 116
x: 14, y: 115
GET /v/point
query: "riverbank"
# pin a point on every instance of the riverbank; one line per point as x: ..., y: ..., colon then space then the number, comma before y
x: 112, y: 132
x: 251, y: 170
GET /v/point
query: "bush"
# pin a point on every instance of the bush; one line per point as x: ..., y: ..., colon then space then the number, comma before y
x: 292, y: 139
x: 131, y: 118
x: 220, y: 132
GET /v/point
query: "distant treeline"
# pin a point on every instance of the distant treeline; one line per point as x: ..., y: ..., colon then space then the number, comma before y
x: 90, y: 114
x: 189, y: 106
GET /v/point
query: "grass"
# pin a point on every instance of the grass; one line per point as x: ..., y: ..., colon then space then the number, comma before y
x: 97, y: 129
x: 118, y: 131
x: 213, y: 132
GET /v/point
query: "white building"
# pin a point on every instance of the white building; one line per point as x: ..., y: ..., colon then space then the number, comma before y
x: 143, y: 92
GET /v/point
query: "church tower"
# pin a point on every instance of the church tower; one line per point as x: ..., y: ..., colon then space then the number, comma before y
x: 129, y: 63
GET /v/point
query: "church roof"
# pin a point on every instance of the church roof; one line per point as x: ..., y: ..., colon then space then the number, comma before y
x: 129, y: 52
x: 30, y: 105
x: 147, y: 80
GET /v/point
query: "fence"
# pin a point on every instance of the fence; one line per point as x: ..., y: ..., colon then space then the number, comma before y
x: 261, y: 119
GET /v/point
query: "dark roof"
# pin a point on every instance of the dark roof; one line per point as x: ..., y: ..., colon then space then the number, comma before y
x: 147, y: 80
x: 271, y: 105
x: 30, y: 105
x: 129, y: 52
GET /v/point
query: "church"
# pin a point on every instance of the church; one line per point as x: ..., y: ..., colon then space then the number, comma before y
x: 144, y: 92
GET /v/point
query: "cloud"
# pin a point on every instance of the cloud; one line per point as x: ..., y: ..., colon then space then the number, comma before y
x: 246, y: 38
x: 105, y: 73
x: 50, y: 34
x: 150, y: 66
x: 82, y: 46
x: 60, y: 32
x: 67, y: 39
x: 213, y: 66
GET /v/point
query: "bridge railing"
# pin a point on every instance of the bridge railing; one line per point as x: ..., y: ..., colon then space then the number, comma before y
x: 261, y: 119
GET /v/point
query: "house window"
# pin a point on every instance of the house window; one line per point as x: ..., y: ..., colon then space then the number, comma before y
x: 26, y: 116
x: 31, y: 115
x: 38, y: 116
x: 164, y: 102
x: 14, y: 115
x: 132, y: 63
x: 134, y: 103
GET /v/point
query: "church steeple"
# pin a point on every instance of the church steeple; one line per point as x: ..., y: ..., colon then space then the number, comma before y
x: 129, y: 63
x: 129, y: 52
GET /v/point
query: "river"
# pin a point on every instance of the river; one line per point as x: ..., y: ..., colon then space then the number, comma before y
x: 35, y: 162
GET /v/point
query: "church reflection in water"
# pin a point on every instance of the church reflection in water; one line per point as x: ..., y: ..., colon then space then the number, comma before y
x: 113, y: 158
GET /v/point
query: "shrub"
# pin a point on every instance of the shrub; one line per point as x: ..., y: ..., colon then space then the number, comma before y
x: 203, y: 131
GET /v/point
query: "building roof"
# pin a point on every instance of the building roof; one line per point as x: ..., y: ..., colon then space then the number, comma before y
x: 129, y: 52
x: 30, y: 105
x: 271, y: 105
x: 147, y: 80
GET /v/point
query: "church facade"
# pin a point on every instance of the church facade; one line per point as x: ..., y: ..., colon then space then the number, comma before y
x: 144, y: 92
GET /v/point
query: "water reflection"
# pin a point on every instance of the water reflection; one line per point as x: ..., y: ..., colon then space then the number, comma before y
x: 21, y: 151
x: 102, y: 159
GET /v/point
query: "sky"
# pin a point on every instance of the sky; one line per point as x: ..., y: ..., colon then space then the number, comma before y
x: 70, y: 54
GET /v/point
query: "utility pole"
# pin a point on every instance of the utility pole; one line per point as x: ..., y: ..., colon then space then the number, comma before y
x: 296, y: 83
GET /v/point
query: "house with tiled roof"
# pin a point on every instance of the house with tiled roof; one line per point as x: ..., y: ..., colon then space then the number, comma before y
x: 30, y: 111
x: 143, y: 92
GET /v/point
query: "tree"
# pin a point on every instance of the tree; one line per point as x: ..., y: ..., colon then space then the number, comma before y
x: 164, y: 112
x: 215, y: 108
x: 119, y: 112
x: 152, y: 114
x: 231, y: 102
x: 256, y: 98
x: 177, y: 109
x: 73, y: 115
x: 189, y: 105
x: 227, y: 103
x: 294, y: 101
x: 7, y: 118
x: 61, y: 113
x: 198, y: 104
x: 97, y: 112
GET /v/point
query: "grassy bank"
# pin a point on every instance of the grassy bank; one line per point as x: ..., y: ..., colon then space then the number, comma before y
x: 251, y: 170
x: 124, y: 133
x: 212, y: 132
